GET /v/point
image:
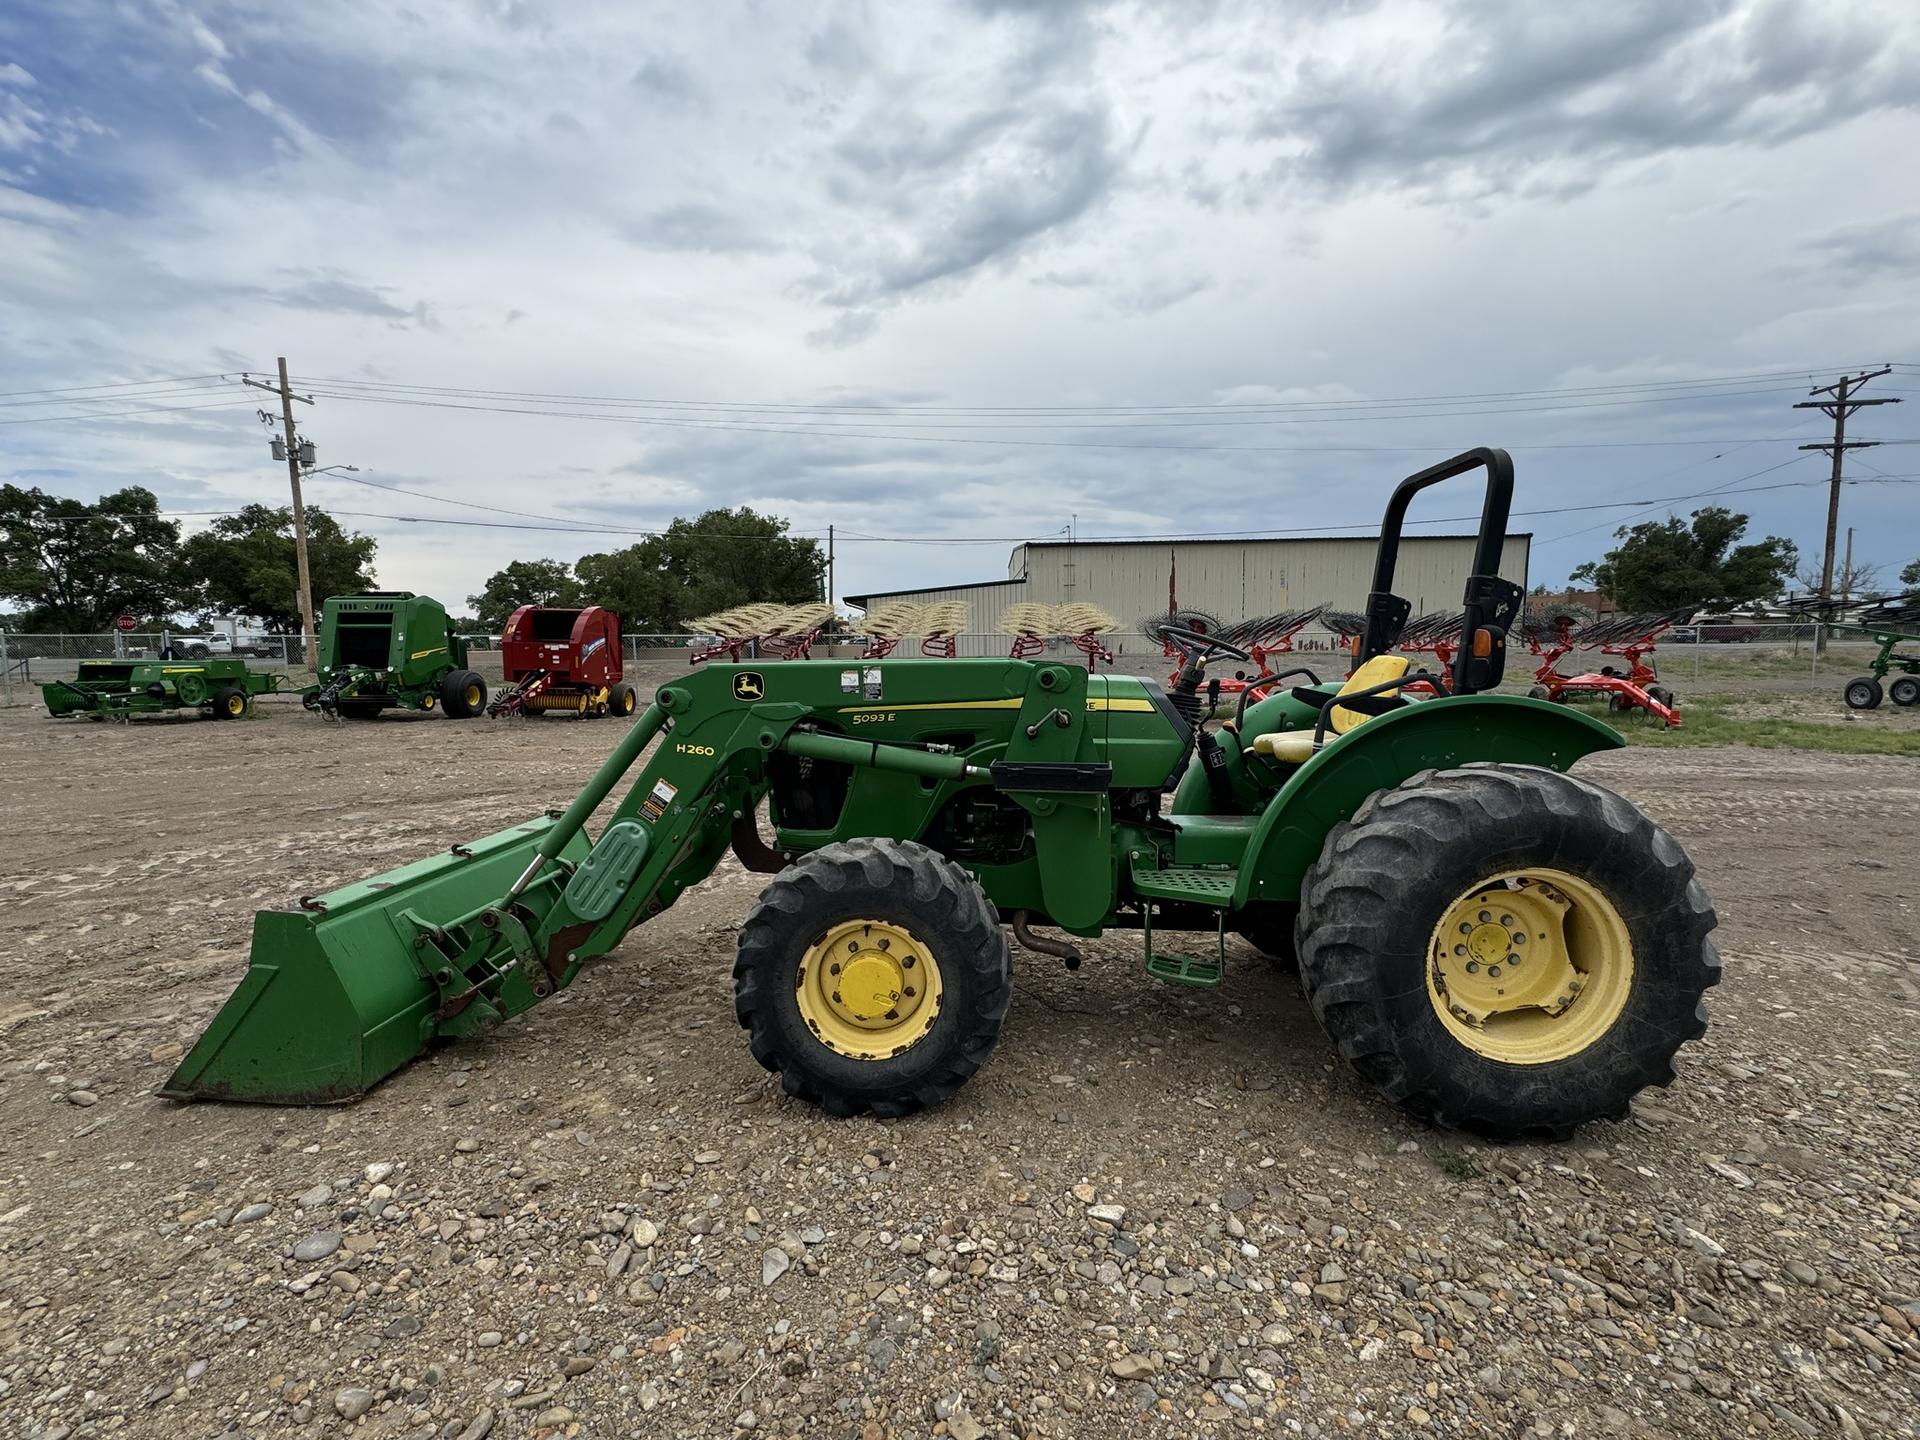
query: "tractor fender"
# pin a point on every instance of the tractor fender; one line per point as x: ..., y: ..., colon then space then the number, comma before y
x: 1389, y: 749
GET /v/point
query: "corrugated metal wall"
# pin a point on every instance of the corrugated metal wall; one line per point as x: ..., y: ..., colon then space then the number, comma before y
x: 1233, y: 579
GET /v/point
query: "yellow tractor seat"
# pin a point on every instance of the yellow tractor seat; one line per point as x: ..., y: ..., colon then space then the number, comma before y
x: 1291, y: 747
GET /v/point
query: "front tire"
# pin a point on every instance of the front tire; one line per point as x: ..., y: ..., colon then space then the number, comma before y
x: 231, y: 703
x: 1905, y: 691
x: 1413, y: 915
x: 872, y: 975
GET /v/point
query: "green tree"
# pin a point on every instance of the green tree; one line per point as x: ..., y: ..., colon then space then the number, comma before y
x: 1911, y: 575
x: 76, y: 566
x: 1671, y: 563
x: 524, y: 582
x: 244, y: 564
x: 722, y: 559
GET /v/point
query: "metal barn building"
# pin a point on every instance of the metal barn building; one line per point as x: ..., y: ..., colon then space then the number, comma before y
x: 1233, y: 579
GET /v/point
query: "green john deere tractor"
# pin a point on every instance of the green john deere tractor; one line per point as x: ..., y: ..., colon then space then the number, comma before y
x: 391, y: 650
x: 1489, y: 941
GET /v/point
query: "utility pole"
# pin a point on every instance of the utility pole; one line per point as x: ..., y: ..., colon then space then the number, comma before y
x: 829, y: 564
x: 1838, y: 407
x: 287, y: 397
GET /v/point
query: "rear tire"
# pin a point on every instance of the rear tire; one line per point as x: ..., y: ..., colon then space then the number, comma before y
x: 463, y: 694
x: 1372, y: 959
x: 1539, y: 692
x: 1905, y: 690
x: 623, y: 700
x: 906, y: 891
x: 231, y: 702
x: 1864, y: 693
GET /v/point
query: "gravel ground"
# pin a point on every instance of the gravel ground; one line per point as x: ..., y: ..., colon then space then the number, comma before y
x: 1157, y: 1212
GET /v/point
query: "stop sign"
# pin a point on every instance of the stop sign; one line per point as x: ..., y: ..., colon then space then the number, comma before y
x: 126, y: 622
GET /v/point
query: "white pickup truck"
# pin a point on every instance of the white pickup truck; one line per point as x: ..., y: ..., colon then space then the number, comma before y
x: 223, y: 637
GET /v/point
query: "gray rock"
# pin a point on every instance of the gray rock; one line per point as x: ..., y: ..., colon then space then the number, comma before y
x: 82, y: 1098
x: 773, y: 1264
x: 478, y: 1427
x: 317, y: 1246
x: 645, y: 1234
x: 352, y: 1402
x: 316, y: 1197
x: 247, y: 1214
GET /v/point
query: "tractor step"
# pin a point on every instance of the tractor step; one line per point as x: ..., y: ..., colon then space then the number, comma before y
x: 1190, y: 883
x: 1189, y: 970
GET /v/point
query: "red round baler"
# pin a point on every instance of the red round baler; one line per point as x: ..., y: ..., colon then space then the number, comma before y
x: 558, y: 657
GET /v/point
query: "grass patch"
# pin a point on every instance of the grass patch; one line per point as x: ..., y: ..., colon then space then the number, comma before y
x: 1454, y: 1162
x: 1706, y: 723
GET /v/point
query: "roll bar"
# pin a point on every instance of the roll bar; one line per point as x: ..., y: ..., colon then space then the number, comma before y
x: 1490, y: 603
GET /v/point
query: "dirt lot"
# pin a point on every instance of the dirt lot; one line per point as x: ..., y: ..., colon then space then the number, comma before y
x: 604, y: 1220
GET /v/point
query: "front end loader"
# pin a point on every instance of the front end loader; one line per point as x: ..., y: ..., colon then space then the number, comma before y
x: 1490, y: 942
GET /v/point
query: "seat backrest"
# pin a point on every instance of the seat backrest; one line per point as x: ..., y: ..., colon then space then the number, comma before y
x: 1377, y: 671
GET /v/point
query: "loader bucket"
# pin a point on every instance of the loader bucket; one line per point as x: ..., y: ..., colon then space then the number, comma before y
x: 335, y: 998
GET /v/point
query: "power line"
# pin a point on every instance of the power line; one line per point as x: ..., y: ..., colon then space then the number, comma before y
x: 123, y: 414
x: 916, y: 408
x: 1333, y: 414
x: 1716, y: 490
x: 716, y: 425
x: 445, y: 500
x: 144, y: 395
x: 125, y: 384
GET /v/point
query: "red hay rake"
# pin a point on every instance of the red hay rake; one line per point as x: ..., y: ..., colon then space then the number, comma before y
x: 779, y: 632
x: 1632, y: 637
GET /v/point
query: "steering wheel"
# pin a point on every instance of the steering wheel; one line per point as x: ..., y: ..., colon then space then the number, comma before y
x: 1196, y: 649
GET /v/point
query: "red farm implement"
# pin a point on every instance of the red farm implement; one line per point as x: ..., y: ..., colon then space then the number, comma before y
x: 565, y: 659
x: 1036, y: 627
x: 1263, y: 637
x: 1630, y: 637
x: 938, y: 625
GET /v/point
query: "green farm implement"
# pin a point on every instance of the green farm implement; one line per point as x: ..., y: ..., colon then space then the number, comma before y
x: 391, y: 650
x: 1893, y: 625
x: 1489, y: 941
x: 121, y: 689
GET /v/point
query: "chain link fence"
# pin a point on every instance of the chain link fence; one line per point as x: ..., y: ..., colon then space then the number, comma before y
x: 1759, y: 655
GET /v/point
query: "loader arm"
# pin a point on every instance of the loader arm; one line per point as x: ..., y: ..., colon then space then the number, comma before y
x: 355, y: 983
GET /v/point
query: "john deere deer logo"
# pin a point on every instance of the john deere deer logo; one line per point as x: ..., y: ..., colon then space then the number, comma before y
x: 748, y: 685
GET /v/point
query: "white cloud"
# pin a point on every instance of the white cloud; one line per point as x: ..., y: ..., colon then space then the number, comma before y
x: 974, y: 205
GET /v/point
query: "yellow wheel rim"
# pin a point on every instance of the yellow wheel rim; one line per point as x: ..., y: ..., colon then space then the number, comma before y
x: 473, y: 695
x: 1530, y: 967
x: 868, y: 989
x: 236, y: 705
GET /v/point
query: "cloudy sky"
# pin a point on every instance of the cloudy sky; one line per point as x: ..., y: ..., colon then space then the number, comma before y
x: 939, y: 272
